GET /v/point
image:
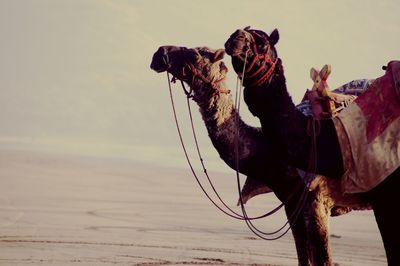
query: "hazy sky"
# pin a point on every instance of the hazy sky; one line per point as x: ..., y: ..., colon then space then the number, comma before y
x: 78, y: 70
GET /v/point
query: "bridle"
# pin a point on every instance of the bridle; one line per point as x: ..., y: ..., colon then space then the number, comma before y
x: 257, y: 74
x: 215, y: 86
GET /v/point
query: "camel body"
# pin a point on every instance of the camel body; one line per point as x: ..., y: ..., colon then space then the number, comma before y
x: 256, y: 157
x: 270, y: 101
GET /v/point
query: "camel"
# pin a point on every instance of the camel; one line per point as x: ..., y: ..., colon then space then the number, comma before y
x: 203, y: 69
x: 267, y: 97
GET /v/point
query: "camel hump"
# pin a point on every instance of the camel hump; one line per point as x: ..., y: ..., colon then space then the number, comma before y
x: 394, y: 67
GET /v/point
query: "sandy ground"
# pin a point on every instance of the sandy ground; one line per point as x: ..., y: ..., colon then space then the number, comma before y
x: 64, y: 209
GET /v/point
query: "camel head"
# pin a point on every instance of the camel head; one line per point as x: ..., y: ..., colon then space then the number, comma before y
x: 200, y: 67
x: 255, y: 47
x: 243, y: 40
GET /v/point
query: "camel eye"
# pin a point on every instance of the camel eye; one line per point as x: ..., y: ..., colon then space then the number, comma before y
x: 223, y: 67
x: 197, y: 58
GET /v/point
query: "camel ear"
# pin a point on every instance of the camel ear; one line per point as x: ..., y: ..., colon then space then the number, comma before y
x: 219, y: 54
x: 326, y: 70
x: 196, y: 54
x: 314, y: 74
x: 274, y: 37
x: 246, y: 28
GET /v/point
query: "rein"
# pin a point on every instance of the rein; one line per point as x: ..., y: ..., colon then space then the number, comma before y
x: 230, y: 212
x: 244, y: 216
x: 261, y: 234
x: 252, y: 72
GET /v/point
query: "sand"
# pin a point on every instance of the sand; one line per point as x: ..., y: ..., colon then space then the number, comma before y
x: 68, y: 209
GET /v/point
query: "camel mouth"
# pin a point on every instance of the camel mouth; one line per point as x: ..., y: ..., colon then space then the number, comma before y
x: 233, y: 49
x: 229, y: 50
x: 236, y: 44
x: 158, y: 64
x: 160, y: 61
x: 158, y: 69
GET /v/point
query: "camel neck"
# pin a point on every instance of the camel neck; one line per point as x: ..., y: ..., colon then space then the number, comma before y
x: 279, y: 118
x: 222, y: 119
x: 215, y: 106
x: 279, y: 102
x: 270, y: 102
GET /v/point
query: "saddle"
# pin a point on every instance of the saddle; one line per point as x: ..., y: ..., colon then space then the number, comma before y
x: 342, y: 97
x: 368, y: 133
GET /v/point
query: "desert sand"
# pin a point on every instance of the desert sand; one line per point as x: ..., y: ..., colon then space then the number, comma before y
x: 69, y: 209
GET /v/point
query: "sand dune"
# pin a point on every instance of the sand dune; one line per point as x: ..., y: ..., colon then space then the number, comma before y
x: 64, y: 209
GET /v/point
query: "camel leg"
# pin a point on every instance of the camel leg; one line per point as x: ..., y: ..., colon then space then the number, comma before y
x: 299, y: 232
x: 384, y: 199
x: 298, y: 226
x: 317, y: 219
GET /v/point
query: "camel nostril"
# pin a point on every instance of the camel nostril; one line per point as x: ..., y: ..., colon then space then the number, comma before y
x: 228, y: 48
x: 165, y: 59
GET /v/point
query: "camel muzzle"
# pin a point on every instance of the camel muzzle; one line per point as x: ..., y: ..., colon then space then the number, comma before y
x: 158, y: 64
x: 160, y: 61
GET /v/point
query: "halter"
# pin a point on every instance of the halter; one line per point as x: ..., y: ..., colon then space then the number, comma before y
x: 215, y: 85
x: 257, y: 57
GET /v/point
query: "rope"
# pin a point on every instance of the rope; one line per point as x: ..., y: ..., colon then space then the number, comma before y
x: 303, y: 196
x: 205, y: 169
x: 249, y: 224
x: 256, y: 57
x: 234, y: 215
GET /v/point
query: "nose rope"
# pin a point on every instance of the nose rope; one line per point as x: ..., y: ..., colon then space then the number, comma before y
x: 166, y: 60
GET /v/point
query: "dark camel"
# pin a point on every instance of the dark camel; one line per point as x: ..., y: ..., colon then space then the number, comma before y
x: 204, y: 71
x: 267, y: 98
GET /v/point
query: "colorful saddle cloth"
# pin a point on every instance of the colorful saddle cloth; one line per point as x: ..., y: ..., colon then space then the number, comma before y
x: 369, y: 133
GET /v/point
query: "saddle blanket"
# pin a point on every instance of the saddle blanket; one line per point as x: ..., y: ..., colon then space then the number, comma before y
x: 369, y: 133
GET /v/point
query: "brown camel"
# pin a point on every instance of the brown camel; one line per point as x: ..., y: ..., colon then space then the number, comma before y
x: 204, y: 71
x: 267, y: 97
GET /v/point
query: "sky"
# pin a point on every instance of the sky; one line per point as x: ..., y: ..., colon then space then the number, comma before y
x: 75, y: 74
